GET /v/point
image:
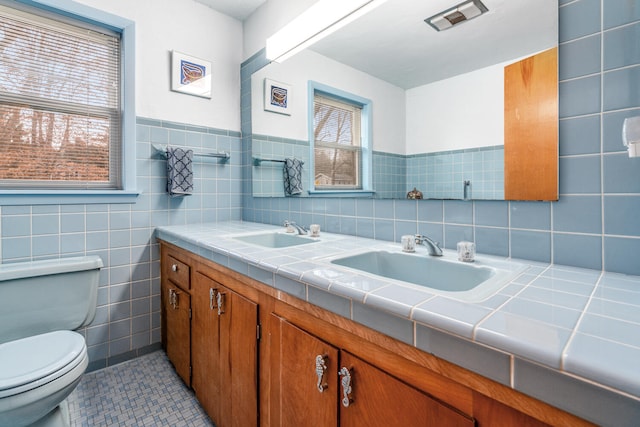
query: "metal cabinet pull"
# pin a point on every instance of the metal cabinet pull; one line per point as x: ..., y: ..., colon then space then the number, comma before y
x: 347, y: 389
x: 212, y: 294
x: 220, y: 301
x: 173, y: 299
x: 174, y: 267
x: 321, y: 368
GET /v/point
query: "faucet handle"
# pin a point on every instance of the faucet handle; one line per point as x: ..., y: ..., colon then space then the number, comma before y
x: 289, y: 225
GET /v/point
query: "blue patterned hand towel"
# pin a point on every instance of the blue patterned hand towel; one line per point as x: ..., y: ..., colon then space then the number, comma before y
x: 179, y: 172
x: 292, y: 176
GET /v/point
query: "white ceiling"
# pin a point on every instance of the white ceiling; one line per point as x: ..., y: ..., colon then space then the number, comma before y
x: 239, y: 9
x: 393, y: 42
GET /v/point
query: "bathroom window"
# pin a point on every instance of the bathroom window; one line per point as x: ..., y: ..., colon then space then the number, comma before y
x: 61, y: 103
x: 340, y: 142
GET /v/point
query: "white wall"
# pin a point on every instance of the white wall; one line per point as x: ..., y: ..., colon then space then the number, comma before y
x: 464, y: 111
x: 193, y: 29
x: 388, y: 101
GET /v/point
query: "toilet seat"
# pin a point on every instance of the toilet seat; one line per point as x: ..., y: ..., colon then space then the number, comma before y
x: 31, y: 362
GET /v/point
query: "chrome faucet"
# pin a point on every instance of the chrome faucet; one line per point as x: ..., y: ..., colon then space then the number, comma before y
x: 433, y: 247
x: 301, y: 230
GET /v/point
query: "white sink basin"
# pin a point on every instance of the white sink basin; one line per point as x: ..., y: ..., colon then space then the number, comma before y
x: 442, y: 275
x: 275, y: 239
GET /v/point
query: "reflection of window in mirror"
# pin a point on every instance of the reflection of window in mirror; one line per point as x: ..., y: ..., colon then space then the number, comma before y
x: 337, y: 151
x: 340, y: 146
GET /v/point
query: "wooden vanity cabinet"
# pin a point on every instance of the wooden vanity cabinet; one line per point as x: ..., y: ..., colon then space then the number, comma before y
x: 209, y: 333
x: 319, y: 384
x: 256, y: 362
x: 176, y: 314
x: 224, y: 352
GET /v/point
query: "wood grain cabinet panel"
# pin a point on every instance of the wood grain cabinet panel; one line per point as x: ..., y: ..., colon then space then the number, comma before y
x: 224, y: 353
x: 176, y: 313
x: 178, y: 272
x: 176, y: 309
x: 531, y: 128
x: 379, y: 399
x: 239, y: 360
x: 323, y: 386
x: 297, y: 398
x: 205, y: 346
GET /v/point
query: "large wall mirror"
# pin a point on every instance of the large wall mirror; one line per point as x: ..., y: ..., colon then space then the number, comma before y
x: 445, y: 117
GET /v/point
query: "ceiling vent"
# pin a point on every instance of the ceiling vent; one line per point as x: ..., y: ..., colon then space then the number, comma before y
x: 457, y: 14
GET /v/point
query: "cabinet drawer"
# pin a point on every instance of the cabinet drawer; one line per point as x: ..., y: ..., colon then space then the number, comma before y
x: 178, y: 272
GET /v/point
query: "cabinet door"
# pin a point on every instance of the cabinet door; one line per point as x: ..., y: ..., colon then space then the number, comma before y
x: 176, y: 309
x: 205, y: 348
x: 378, y: 399
x: 238, y: 359
x: 224, y: 353
x: 531, y: 128
x: 306, y: 388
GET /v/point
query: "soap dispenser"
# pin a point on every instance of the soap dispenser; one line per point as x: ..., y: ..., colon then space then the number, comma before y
x: 631, y: 135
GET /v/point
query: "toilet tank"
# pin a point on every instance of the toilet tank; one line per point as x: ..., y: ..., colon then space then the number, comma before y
x: 47, y: 295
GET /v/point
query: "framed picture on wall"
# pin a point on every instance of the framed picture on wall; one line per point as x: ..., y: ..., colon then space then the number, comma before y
x: 277, y: 97
x: 190, y: 75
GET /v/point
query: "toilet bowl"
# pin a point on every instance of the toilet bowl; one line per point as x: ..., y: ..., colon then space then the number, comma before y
x: 41, y: 358
x: 37, y: 373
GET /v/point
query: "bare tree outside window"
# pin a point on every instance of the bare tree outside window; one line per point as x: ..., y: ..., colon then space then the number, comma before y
x: 337, y: 148
x: 59, y: 104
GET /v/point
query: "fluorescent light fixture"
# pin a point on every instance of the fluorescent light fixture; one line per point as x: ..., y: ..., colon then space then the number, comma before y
x: 457, y: 14
x: 320, y: 20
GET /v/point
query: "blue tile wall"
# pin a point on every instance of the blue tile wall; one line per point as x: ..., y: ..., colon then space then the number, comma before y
x: 592, y: 225
x: 128, y: 314
x: 437, y: 175
x: 268, y: 176
x: 390, y: 175
x: 442, y: 175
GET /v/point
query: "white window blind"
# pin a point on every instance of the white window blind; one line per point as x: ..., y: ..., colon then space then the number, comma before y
x: 59, y: 104
x: 337, y: 146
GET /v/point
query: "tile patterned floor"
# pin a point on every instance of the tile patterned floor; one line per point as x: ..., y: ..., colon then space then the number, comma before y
x: 145, y: 391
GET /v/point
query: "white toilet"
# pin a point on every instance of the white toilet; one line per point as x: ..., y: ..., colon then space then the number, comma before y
x: 41, y: 358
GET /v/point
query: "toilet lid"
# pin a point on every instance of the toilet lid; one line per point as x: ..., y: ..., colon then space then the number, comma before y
x: 39, y: 359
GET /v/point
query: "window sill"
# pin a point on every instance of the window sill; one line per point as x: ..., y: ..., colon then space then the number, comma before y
x: 342, y: 193
x: 65, y: 197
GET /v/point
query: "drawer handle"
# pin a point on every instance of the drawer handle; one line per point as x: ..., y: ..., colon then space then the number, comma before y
x: 174, y: 267
x: 347, y: 389
x: 321, y: 368
x: 220, y: 301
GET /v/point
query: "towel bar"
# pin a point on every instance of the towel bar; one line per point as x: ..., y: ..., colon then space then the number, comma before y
x: 224, y: 156
x: 258, y: 160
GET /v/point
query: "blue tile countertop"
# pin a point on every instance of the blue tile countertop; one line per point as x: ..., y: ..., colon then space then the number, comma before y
x: 567, y: 336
